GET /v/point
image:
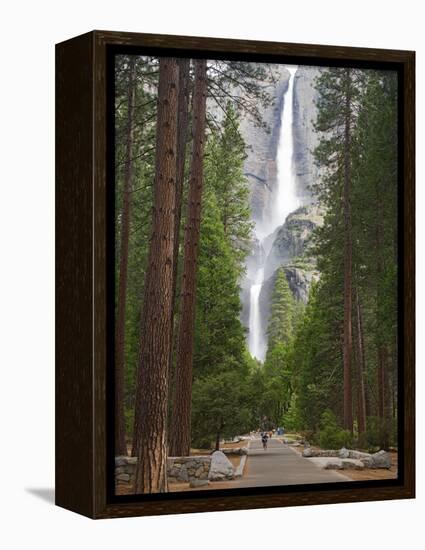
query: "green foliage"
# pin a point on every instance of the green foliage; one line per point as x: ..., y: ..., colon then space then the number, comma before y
x: 282, y: 314
x: 331, y: 435
x: 247, y: 85
x: 317, y: 362
x: 300, y: 384
x: 378, y: 429
x: 222, y: 367
x: 219, y: 406
x: 219, y: 335
x: 224, y: 161
x: 318, y: 344
x: 274, y: 380
x: 291, y: 419
x: 141, y: 200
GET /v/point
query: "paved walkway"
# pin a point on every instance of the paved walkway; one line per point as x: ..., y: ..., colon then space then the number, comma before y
x: 281, y: 465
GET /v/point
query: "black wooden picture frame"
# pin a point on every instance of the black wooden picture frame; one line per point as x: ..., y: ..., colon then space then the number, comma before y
x: 84, y: 396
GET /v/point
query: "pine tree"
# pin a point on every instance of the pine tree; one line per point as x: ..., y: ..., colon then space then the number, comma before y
x: 224, y: 162
x: 133, y: 185
x: 120, y: 429
x: 181, y: 419
x: 360, y: 221
x: 338, y: 93
x: 150, y: 436
x: 220, y: 408
x: 182, y: 139
x: 316, y: 361
x: 219, y: 335
x: 376, y: 246
x: 282, y: 313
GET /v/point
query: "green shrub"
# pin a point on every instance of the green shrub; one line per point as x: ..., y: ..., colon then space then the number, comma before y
x: 291, y: 419
x: 203, y: 443
x: 335, y: 439
x: 380, y: 433
x: 331, y: 435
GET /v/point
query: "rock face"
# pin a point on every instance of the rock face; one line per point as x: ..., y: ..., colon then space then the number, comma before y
x: 292, y: 241
x: 300, y: 280
x: 260, y: 164
x: 305, y: 139
x: 287, y: 245
x: 291, y: 244
x: 221, y: 467
x: 381, y: 459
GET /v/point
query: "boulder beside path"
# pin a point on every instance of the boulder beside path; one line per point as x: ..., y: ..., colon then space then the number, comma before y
x: 346, y: 459
x: 221, y: 468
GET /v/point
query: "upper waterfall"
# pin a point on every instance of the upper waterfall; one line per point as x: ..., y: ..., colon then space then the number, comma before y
x: 284, y: 201
x: 284, y: 197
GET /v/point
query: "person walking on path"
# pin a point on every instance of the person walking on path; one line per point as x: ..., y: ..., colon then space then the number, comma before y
x: 264, y: 438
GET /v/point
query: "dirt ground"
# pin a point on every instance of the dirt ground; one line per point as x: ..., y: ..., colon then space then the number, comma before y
x: 368, y: 474
x: 127, y: 489
x: 235, y: 445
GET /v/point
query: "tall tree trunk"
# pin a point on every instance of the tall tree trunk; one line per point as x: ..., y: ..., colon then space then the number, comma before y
x: 120, y: 440
x: 182, y: 135
x: 348, y: 260
x: 381, y: 382
x: 182, y: 400
x: 394, y: 377
x: 217, y: 440
x: 361, y: 391
x: 152, y: 378
x: 384, y: 399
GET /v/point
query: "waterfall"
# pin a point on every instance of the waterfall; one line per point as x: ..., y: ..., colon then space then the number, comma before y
x: 283, y: 201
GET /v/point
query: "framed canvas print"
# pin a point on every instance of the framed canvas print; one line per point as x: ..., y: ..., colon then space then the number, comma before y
x: 235, y: 274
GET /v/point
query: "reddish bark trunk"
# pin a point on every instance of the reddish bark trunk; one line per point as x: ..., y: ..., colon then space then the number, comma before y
x: 217, y: 442
x: 384, y: 398
x: 182, y: 131
x: 182, y: 134
x: 180, y: 434
x: 361, y: 391
x: 120, y: 432
x: 381, y: 382
x: 152, y: 377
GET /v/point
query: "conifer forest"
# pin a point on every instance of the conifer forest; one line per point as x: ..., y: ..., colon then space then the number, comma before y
x: 256, y: 258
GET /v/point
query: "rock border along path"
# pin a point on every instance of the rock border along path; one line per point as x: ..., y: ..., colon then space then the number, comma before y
x: 279, y: 465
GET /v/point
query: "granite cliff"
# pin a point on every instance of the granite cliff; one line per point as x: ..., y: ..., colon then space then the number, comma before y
x: 288, y: 245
